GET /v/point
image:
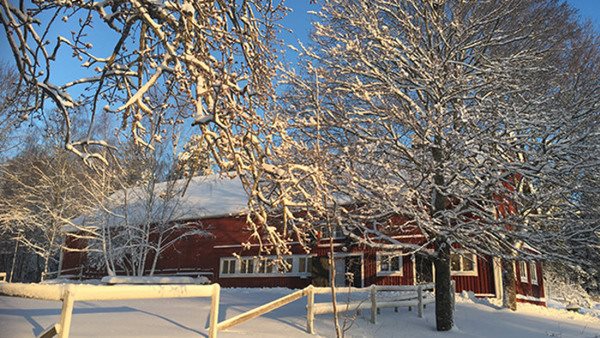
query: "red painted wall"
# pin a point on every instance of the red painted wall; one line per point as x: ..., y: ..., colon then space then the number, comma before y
x: 73, y: 261
x: 528, y: 288
x: 202, y: 254
x: 483, y: 283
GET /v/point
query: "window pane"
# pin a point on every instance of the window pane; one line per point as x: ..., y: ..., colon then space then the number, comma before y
x: 262, y: 266
x: 247, y: 266
x: 302, y: 264
x: 454, y: 262
x: 468, y: 263
x: 395, y: 264
x: 231, y: 266
x: 523, y: 270
x: 533, y: 272
x: 225, y: 267
x: 384, y: 263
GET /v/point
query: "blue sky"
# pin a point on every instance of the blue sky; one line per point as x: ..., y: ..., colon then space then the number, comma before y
x: 588, y: 10
x: 298, y: 21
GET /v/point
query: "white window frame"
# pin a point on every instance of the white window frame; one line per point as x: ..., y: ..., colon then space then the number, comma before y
x: 523, y: 272
x: 244, y: 262
x: 462, y: 271
x: 227, y: 261
x: 380, y: 256
x: 533, y: 273
x: 265, y: 264
x: 256, y: 261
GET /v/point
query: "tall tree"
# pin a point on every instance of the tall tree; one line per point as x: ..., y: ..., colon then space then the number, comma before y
x: 434, y: 110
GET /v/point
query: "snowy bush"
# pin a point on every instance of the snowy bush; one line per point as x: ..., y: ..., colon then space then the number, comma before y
x: 566, y: 286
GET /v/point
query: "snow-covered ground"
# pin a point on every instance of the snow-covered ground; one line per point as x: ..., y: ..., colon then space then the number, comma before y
x: 189, y: 318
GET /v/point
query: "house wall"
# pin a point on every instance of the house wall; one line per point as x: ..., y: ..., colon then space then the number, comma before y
x: 527, y: 291
x: 196, y: 254
x: 370, y: 268
x: 483, y: 283
x: 73, y: 261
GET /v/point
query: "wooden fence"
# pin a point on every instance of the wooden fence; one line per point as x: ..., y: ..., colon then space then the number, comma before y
x: 414, y: 295
x: 71, y: 293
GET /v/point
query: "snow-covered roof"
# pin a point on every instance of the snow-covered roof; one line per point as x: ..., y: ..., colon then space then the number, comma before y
x: 203, y: 197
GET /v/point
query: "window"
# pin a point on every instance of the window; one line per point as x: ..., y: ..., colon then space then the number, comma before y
x: 303, y: 264
x: 463, y: 264
x: 228, y: 266
x: 523, y: 271
x: 389, y: 264
x: 247, y: 265
x: 265, y: 265
x: 287, y: 266
x: 243, y: 267
x: 533, y: 273
x: 338, y: 232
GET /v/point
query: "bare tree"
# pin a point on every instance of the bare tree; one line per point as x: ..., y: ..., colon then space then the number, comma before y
x: 209, y: 63
x: 140, y: 221
x: 434, y: 112
x: 10, y: 101
x: 214, y: 59
x: 41, y: 192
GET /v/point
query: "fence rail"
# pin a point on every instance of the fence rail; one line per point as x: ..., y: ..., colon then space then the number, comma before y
x: 69, y: 294
x: 418, y: 299
x: 256, y: 312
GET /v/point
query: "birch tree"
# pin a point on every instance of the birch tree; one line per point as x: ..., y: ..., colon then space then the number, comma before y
x: 41, y: 193
x: 141, y: 220
x: 434, y: 111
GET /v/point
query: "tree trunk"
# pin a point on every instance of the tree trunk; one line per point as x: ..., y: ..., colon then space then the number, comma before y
x: 157, y: 252
x: 14, y: 261
x: 444, y: 315
x: 509, y: 284
x: 336, y: 316
x: 44, y: 273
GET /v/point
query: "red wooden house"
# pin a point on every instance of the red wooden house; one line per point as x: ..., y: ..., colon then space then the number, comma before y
x: 219, y: 204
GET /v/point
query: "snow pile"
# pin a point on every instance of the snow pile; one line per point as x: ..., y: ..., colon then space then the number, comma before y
x: 71, y: 281
x: 593, y: 310
x: 154, y: 280
x: 469, y: 297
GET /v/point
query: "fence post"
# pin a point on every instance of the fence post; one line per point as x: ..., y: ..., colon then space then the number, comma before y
x: 374, y: 304
x: 420, y: 300
x: 214, y: 311
x: 453, y: 290
x: 66, y: 313
x: 310, y: 309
